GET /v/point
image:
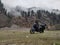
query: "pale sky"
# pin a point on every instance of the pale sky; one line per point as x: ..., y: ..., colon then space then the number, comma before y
x: 55, y: 4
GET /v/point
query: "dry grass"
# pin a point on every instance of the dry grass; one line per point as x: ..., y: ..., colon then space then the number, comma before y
x: 17, y: 37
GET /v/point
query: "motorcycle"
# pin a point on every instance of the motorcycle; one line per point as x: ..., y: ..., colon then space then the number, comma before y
x: 40, y: 29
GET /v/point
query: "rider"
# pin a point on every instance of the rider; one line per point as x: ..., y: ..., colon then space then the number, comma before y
x: 36, y: 25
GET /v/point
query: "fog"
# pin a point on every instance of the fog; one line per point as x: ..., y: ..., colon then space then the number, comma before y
x: 33, y: 3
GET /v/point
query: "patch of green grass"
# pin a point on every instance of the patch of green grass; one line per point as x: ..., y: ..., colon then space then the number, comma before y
x: 25, y: 38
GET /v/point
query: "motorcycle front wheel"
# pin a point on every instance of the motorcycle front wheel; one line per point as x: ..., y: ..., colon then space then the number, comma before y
x: 32, y: 32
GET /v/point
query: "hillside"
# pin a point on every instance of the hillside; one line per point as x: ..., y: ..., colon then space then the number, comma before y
x: 25, y: 17
x: 4, y: 18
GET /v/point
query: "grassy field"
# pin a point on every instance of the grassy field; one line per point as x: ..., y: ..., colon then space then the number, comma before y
x: 17, y: 37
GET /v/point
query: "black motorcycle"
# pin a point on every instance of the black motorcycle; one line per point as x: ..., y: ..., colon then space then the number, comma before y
x: 40, y: 29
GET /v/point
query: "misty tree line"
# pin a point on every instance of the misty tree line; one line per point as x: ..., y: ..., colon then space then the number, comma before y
x: 3, y: 10
x: 54, y: 18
